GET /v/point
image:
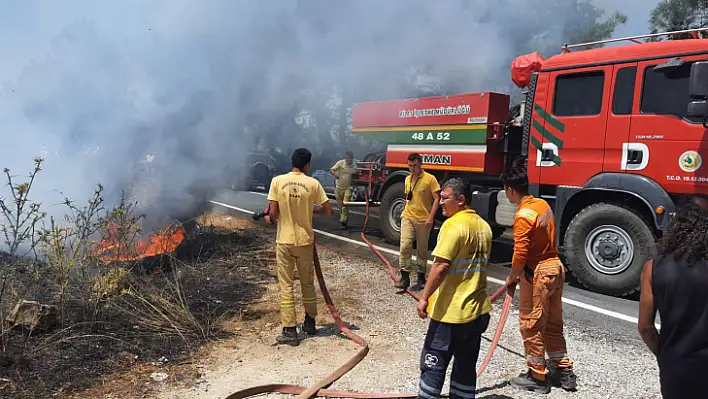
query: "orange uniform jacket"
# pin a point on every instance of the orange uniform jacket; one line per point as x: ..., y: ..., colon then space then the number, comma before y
x: 534, y: 233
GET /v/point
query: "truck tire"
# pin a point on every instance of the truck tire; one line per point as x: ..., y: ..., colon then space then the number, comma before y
x: 606, y: 246
x: 392, y: 203
x: 498, y: 231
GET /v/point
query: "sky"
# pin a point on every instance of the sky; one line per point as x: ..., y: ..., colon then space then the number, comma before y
x: 94, y: 86
x: 637, y: 12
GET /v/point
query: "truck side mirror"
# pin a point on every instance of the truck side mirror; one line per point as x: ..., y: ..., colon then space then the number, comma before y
x: 698, y: 90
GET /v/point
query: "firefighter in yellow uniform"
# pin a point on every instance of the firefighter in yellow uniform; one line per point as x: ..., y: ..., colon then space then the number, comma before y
x: 422, y: 193
x: 343, y: 171
x: 293, y: 197
x: 455, y: 297
x: 540, y: 274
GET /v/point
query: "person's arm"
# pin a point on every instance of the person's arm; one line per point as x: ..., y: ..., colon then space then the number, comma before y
x: 325, y: 207
x: 435, y: 188
x: 647, y: 311
x: 333, y: 170
x: 433, y: 210
x: 267, y: 214
x: 523, y: 225
x: 273, y: 211
x: 438, y: 271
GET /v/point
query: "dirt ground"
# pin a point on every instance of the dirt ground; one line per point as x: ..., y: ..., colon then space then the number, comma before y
x: 607, y: 366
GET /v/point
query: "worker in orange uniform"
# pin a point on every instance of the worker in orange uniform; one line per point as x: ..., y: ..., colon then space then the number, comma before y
x: 422, y: 193
x: 455, y: 296
x: 292, y: 198
x: 540, y: 275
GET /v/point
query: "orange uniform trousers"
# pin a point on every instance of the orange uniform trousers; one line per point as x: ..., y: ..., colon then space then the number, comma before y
x: 541, y: 317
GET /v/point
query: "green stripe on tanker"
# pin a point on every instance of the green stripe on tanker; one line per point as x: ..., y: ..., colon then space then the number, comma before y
x: 427, y: 135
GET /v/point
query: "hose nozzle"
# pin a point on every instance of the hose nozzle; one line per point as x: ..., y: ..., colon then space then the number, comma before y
x: 259, y: 215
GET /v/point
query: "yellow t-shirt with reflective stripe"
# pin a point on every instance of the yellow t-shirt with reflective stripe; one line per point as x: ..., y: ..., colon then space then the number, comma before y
x: 419, y: 207
x: 466, y: 240
x: 296, y: 195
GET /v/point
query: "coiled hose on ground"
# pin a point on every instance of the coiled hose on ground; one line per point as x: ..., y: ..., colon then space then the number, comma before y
x: 319, y: 388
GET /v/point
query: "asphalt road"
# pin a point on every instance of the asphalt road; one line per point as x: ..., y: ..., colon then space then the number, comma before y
x: 581, y: 307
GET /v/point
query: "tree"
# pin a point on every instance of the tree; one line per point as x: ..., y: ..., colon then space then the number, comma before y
x: 675, y: 15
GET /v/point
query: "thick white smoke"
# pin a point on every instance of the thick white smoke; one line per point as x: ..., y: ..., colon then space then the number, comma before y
x: 95, y: 87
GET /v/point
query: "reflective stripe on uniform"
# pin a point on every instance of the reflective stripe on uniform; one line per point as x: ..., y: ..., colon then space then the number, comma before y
x: 527, y: 213
x: 477, y: 269
x: 287, y: 304
x: 472, y: 261
x: 557, y: 355
x: 427, y: 392
x: 536, y: 360
x: 461, y: 390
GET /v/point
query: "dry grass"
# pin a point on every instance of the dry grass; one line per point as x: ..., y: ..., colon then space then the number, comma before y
x: 214, y: 287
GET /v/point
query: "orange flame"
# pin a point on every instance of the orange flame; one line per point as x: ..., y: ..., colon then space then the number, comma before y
x: 161, y: 242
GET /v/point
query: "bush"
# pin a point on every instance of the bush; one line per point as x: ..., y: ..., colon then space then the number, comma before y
x: 85, y: 265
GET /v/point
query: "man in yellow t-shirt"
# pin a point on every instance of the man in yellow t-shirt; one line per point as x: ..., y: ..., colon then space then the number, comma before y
x: 292, y: 198
x: 422, y: 193
x: 343, y: 171
x: 455, y: 296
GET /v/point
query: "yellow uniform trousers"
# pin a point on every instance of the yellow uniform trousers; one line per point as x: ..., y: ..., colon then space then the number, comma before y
x: 342, y: 195
x: 413, y: 230
x: 541, y: 317
x: 289, y: 257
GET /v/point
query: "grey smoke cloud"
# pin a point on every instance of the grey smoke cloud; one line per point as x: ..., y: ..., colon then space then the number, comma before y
x: 96, y: 86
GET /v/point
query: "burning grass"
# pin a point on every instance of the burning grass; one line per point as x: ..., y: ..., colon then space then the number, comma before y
x: 118, y: 297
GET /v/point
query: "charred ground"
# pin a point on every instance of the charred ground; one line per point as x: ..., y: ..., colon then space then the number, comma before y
x: 112, y: 318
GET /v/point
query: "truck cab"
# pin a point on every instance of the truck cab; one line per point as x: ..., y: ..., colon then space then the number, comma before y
x: 613, y: 147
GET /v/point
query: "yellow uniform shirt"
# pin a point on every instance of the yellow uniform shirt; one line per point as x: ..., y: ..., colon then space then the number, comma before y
x: 418, y: 208
x: 344, y: 173
x: 466, y: 240
x: 296, y: 195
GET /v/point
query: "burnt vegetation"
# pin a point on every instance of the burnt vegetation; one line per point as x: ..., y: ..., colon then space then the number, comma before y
x: 91, y: 294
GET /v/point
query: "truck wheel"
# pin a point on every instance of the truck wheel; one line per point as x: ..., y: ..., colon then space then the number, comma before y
x: 392, y: 204
x: 606, y: 246
x: 497, y: 232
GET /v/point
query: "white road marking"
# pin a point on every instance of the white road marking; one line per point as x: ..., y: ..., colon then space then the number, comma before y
x: 334, y: 207
x: 573, y: 302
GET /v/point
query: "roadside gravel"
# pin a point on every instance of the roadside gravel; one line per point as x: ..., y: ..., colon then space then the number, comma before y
x: 608, y: 365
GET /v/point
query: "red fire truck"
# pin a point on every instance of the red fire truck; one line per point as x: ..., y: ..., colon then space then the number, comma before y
x: 612, y: 138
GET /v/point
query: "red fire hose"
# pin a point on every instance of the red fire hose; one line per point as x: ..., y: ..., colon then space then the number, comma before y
x: 319, y: 388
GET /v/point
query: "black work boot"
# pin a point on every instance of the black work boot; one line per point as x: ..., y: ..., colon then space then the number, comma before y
x: 288, y: 337
x: 565, y: 377
x: 420, y: 281
x: 405, y: 281
x: 309, y: 325
x: 527, y: 382
x: 344, y: 225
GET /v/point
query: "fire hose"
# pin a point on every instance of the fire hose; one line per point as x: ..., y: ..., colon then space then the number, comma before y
x: 319, y: 388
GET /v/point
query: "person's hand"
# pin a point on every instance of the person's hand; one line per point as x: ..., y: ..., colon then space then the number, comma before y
x: 429, y: 223
x: 511, y: 284
x: 422, y: 308
x: 267, y: 219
